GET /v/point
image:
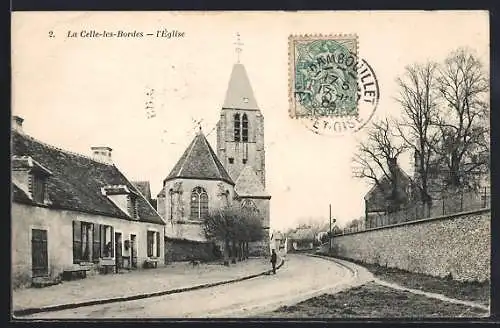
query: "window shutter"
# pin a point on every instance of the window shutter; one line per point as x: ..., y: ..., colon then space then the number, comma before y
x: 102, y: 233
x: 96, y: 242
x: 112, y: 242
x: 158, y: 244
x: 77, y: 242
x: 150, y: 244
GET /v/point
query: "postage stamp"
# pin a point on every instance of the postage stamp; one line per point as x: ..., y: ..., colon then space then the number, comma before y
x: 332, y: 91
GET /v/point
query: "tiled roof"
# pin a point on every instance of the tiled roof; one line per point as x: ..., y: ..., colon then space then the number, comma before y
x: 376, y: 198
x: 248, y: 184
x: 76, y: 180
x: 302, y: 234
x: 199, y: 162
x: 239, y: 93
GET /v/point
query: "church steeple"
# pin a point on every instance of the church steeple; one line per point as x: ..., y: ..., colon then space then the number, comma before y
x: 240, y: 130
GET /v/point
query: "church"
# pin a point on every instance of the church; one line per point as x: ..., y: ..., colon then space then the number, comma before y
x: 203, y: 179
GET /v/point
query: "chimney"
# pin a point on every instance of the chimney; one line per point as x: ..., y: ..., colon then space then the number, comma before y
x: 17, y: 123
x: 102, y: 154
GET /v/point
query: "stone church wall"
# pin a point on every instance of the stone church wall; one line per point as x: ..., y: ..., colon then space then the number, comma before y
x: 457, y: 245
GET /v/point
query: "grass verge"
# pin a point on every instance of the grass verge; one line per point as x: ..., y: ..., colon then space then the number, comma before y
x: 374, y: 301
x: 474, y: 291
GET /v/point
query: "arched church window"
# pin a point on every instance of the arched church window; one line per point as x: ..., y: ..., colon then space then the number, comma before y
x: 244, y: 128
x: 237, y: 130
x: 199, y: 203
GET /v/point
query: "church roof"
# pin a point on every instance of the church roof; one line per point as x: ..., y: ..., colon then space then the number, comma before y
x: 199, y: 162
x: 239, y: 93
x: 248, y: 184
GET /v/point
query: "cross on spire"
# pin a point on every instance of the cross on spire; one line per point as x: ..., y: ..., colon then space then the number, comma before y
x: 197, y: 123
x: 238, y: 48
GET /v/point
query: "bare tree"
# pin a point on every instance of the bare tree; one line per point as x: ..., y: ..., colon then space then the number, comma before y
x: 464, y: 86
x: 377, y: 159
x: 418, y: 99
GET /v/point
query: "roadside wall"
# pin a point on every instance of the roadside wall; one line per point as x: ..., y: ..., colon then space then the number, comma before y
x: 184, y: 250
x: 458, y: 245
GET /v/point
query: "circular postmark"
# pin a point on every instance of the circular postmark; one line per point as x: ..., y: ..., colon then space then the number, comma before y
x: 334, y: 92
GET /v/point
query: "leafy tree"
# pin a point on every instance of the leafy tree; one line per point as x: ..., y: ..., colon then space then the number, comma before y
x: 235, y: 227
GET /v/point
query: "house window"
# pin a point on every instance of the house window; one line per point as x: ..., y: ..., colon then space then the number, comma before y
x: 153, y: 244
x: 237, y: 130
x: 244, y: 128
x: 82, y: 242
x: 231, y: 160
x: 38, y: 188
x: 199, y: 203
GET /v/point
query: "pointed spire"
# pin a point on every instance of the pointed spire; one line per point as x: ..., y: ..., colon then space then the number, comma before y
x: 239, y: 93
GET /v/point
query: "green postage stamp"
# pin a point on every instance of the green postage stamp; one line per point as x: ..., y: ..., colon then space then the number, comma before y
x: 331, y: 90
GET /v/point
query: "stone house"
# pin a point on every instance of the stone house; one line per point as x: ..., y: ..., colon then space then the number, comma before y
x: 203, y: 180
x: 478, y: 176
x: 278, y: 241
x: 377, y: 201
x: 73, y: 212
x: 301, y: 239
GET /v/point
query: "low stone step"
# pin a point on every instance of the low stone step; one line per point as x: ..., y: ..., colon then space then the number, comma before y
x: 41, y: 282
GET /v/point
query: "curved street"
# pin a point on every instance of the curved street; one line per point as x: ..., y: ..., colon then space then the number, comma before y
x: 300, y: 278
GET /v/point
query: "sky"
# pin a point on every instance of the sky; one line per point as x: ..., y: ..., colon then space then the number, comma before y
x: 76, y: 92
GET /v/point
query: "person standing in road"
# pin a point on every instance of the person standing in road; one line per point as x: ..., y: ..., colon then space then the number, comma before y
x: 274, y: 259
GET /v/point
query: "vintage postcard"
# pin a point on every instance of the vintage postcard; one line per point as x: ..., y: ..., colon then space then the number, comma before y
x: 321, y: 165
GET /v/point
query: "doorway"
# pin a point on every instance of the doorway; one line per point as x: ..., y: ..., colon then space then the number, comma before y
x: 39, y: 253
x: 133, y: 251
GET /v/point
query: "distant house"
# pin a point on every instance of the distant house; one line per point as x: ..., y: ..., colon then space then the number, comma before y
x: 278, y: 241
x: 301, y: 239
x: 377, y: 200
x: 478, y: 177
x: 72, y: 212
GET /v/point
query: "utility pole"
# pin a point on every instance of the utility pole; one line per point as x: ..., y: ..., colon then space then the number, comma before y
x: 330, y: 235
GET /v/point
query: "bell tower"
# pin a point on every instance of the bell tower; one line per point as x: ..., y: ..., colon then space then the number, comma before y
x: 240, y: 130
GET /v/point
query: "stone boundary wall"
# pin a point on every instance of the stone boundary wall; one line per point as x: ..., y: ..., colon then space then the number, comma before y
x: 456, y: 245
x: 183, y: 250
